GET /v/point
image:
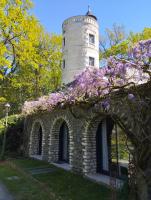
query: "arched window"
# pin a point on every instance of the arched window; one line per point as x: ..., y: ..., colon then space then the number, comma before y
x: 64, y: 143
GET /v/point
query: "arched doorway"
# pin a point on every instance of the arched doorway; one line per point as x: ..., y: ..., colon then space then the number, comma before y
x: 100, y: 157
x: 112, y: 156
x: 39, y: 150
x: 64, y: 143
x: 36, y: 141
x: 119, y: 153
x: 103, y: 151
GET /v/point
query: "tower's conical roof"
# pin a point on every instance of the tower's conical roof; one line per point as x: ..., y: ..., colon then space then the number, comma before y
x: 89, y: 13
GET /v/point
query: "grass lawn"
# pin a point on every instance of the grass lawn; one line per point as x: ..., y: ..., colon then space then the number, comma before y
x: 58, y: 184
x: 25, y: 188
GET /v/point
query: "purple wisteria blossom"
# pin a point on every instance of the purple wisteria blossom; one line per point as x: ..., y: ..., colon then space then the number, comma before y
x: 96, y: 83
x: 131, y: 97
x: 106, y: 105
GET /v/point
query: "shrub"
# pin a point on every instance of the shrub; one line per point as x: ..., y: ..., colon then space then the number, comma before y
x: 14, y: 134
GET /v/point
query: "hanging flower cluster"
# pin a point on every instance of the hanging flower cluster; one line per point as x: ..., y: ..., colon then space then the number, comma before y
x: 93, y: 82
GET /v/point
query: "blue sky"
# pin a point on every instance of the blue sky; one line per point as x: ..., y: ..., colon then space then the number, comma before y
x: 133, y: 14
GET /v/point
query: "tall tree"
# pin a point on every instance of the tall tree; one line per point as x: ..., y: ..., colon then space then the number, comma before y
x: 117, y: 43
x: 109, y: 43
x: 30, y: 59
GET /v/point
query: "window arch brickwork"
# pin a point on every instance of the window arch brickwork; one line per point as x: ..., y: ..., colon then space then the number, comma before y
x: 54, y: 139
x: 89, y: 146
x: 34, y: 137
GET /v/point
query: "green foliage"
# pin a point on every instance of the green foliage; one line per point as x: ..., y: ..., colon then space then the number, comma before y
x: 124, y: 191
x: 11, y: 121
x: 113, y: 42
x: 14, y: 133
x: 119, y: 49
x: 30, y: 58
x: 144, y: 35
x: 122, y: 147
x: 117, y: 44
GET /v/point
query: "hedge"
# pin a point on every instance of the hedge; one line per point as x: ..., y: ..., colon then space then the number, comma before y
x: 14, y: 134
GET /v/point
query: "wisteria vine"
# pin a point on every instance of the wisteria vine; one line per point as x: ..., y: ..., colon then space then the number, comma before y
x: 93, y: 82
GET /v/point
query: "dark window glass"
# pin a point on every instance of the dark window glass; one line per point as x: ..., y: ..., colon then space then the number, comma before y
x: 64, y: 143
x: 91, y: 39
x: 64, y: 64
x: 91, y: 61
x: 64, y: 42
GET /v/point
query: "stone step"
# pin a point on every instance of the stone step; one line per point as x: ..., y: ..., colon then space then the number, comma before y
x: 40, y: 170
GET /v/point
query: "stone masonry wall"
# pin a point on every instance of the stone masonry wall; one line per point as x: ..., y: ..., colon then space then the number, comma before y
x: 51, y: 123
x: 82, y: 137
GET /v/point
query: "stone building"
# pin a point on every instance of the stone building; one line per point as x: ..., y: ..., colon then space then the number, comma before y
x: 79, y: 138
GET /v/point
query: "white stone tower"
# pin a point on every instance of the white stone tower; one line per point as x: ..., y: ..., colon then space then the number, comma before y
x: 80, y: 45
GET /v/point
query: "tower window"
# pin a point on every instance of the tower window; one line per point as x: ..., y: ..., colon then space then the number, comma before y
x: 91, y: 61
x: 91, y: 39
x: 64, y: 41
x: 64, y: 64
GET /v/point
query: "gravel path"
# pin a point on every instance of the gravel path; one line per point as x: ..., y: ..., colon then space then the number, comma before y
x: 4, y: 194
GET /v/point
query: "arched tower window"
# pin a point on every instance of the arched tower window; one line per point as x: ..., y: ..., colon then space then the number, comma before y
x: 64, y: 42
x: 91, y: 61
x: 64, y: 64
x: 91, y: 39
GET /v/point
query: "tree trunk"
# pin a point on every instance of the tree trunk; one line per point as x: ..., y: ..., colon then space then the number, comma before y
x: 140, y: 182
x: 143, y: 182
x: 141, y: 186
